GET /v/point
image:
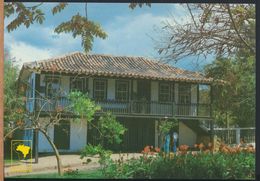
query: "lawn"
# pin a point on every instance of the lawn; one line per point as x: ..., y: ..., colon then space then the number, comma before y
x: 8, y: 161
x: 93, y: 174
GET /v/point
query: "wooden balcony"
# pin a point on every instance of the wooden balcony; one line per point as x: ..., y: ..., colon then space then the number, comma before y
x: 133, y: 108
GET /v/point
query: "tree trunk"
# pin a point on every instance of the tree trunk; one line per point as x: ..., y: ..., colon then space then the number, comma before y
x: 10, y: 132
x: 60, y: 170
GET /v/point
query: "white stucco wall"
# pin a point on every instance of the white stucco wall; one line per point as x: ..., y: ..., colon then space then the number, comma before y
x: 78, y: 136
x: 44, y: 145
x: 186, y: 135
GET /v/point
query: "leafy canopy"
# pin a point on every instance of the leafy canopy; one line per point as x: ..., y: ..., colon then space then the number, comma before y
x: 78, y: 25
x: 234, y: 102
x: 14, y: 103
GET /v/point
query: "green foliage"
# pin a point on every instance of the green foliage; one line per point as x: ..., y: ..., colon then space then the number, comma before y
x: 85, y: 174
x: 82, y: 105
x: 72, y: 172
x: 104, y: 155
x: 14, y: 105
x: 134, y: 5
x: 25, y: 15
x: 167, y: 125
x: 234, y: 102
x: 107, y: 126
x: 81, y: 26
x: 58, y: 8
x: 188, y: 166
x: 78, y: 25
x: 111, y: 129
x: 134, y: 168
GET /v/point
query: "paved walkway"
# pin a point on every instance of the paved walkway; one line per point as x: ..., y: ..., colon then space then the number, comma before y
x: 48, y: 164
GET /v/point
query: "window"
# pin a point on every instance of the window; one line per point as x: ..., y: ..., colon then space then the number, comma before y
x: 79, y: 84
x: 52, y: 86
x: 122, y: 90
x: 184, y: 93
x: 164, y: 92
x: 100, y: 89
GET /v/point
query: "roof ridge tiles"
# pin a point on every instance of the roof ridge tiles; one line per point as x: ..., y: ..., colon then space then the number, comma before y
x: 130, y: 66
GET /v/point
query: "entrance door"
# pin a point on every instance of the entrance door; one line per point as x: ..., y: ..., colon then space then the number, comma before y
x: 144, y: 90
x: 140, y: 133
x: 143, y: 96
x: 62, y: 135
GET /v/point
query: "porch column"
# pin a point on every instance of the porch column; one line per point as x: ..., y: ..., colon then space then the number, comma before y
x: 238, y: 135
x: 156, y: 134
x: 36, y: 145
x: 211, y: 131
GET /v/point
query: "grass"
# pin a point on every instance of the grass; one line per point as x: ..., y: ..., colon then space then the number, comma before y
x: 8, y: 161
x: 93, y: 174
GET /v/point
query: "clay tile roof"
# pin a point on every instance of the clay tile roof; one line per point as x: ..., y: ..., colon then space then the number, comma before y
x: 119, y: 66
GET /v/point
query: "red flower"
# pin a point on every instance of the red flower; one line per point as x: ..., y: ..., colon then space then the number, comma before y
x: 157, y: 149
x: 146, y: 149
x: 201, y: 146
x: 183, y: 147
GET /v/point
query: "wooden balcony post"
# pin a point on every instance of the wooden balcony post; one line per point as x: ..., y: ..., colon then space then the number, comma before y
x: 211, y: 131
x: 173, y: 107
x: 36, y: 146
x: 238, y: 135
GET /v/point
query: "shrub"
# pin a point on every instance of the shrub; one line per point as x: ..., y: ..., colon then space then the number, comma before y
x: 229, y: 163
x: 72, y: 172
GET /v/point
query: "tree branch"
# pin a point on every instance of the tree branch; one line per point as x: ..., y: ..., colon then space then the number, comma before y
x: 236, y: 30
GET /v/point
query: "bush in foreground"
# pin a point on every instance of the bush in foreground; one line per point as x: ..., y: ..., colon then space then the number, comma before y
x: 228, y: 163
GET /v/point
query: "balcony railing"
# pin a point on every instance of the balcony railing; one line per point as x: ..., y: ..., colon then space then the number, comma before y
x: 151, y: 108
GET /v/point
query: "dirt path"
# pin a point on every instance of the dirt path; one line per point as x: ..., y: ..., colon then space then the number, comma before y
x: 48, y: 164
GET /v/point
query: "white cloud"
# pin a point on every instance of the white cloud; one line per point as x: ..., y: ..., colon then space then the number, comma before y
x: 27, y: 51
x: 130, y: 35
x: 127, y: 35
x: 23, y: 52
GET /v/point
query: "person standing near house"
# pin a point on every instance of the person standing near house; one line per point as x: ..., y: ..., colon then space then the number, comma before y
x: 175, y: 139
x: 166, y: 145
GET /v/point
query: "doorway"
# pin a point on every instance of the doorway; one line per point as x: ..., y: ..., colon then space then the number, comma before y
x: 62, y: 135
x: 143, y: 96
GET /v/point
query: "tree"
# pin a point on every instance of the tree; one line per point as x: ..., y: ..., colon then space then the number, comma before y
x: 78, y: 25
x: 14, y: 102
x: 234, y: 101
x: 31, y: 119
x: 108, y: 128
x: 220, y: 29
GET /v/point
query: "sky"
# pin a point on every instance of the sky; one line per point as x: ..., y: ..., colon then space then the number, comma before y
x: 130, y: 32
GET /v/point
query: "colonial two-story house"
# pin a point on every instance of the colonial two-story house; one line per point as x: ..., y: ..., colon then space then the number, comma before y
x: 140, y: 92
